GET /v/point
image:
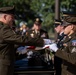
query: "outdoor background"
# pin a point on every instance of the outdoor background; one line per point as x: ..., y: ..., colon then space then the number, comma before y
x: 28, y: 10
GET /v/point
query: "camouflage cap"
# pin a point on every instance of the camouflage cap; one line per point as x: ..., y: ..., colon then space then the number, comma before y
x: 57, y: 22
x: 7, y: 10
x: 38, y: 21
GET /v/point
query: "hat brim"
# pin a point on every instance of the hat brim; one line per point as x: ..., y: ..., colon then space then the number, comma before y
x: 65, y: 23
x: 7, y: 10
x: 37, y: 23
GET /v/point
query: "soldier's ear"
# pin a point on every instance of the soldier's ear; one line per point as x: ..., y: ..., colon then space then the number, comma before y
x: 72, y: 26
x: 4, y: 16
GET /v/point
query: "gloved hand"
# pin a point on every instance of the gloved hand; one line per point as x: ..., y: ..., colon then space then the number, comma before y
x: 46, y: 46
x: 52, y: 47
x: 22, y: 50
x: 47, y: 41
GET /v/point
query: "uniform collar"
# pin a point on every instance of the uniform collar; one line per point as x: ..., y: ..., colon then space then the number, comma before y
x: 61, y: 33
x: 2, y: 24
x: 72, y: 35
x: 67, y: 38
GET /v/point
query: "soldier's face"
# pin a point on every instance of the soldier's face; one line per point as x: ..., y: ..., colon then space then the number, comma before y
x: 58, y: 29
x: 9, y: 19
x: 68, y: 29
x: 37, y: 27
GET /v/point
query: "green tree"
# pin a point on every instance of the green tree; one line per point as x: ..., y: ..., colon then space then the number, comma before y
x: 29, y: 9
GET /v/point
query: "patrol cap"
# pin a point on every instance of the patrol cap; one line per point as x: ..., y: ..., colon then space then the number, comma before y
x: 68, y: 18
x: 7, y: 10
x: 57, y: 22
x: 38, y: 21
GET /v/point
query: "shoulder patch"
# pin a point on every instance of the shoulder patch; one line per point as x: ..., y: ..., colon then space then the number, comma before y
x: 73, y: 42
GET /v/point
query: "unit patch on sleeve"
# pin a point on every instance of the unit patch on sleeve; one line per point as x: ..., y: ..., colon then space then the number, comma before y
x: 73, y: 42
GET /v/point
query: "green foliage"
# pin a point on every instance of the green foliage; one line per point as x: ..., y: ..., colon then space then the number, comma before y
x: 43, y: 8
x: 70, y: 5
x: 29, y: 9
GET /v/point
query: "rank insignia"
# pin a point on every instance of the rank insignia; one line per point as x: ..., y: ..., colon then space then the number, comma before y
x: 73, y: 50
x: 32, y: 35
x: 33, y: 31
x: 37, y: 19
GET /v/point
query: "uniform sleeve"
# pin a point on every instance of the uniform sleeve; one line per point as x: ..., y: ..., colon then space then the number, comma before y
x: 47, y: 36
x: 69, y: 57
x: 9, y: 36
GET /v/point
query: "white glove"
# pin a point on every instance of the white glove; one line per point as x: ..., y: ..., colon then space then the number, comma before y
x: 30, y: 53
x: 47, y: 41
x: 22, y: 50
x: 46, y: 46
x: 52, y: 47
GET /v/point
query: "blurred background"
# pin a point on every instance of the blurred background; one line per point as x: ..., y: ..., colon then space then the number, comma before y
x: 28, y: 10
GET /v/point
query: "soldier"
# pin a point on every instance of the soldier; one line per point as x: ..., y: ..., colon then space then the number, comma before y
x: 23, y: 28
x: 8, y: 38
x: 68, y: 53
x: 37, y: 31
x: 59, y: 28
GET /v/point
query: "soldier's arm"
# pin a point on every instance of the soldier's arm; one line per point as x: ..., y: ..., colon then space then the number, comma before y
x: 8, y: 36
x: 69, y: 57
x: 47, y: 36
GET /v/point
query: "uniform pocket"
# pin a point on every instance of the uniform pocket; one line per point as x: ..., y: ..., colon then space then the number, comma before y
x: 5, y: 61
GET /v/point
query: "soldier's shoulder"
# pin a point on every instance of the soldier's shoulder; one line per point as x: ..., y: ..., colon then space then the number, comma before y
x: 43, y: 30
x: 30, y: 31
x: 2, y: 25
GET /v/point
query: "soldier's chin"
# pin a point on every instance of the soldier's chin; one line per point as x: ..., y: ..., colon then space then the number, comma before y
x: 57, y: 31
x: 11, y: 23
